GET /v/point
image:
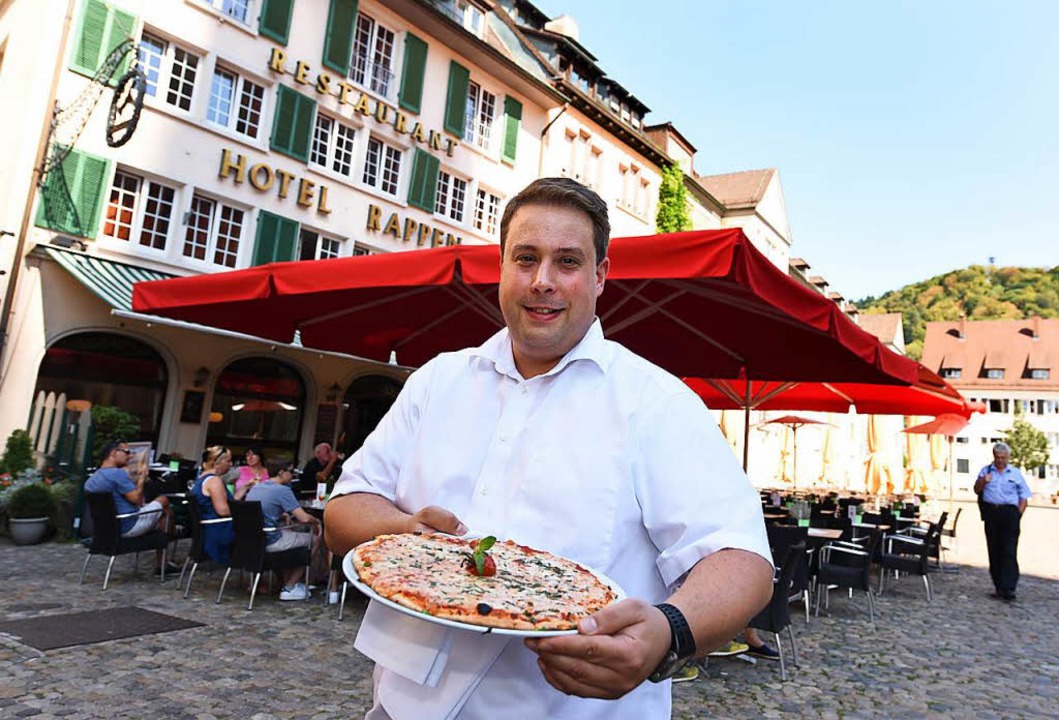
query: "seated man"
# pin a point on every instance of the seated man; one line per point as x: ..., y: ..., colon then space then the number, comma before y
x: 128, y: 496
x: 277, y: 499
x: 322, y: 467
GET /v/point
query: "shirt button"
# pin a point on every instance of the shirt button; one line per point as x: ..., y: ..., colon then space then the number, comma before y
x: 524, y: 389
x: 503, y: 437
x: 484, y: 490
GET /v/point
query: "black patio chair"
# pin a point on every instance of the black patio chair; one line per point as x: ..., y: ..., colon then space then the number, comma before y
x: 248, y: 548
x: 782, y: 539
x: 844, y: 566
x: 197, y: 554
x: 950, y: 532
x: 107, y: 539
x: 776, y: 616
x: 911, y: 555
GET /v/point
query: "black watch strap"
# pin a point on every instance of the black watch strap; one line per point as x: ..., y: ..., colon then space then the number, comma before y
x: 683, y: 643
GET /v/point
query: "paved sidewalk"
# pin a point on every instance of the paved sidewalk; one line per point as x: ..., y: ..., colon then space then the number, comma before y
x: 965, y: 655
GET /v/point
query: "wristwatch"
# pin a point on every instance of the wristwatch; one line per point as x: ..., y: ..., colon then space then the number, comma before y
x: 681, y: 648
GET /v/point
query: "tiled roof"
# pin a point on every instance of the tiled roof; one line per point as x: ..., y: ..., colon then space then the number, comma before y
x: 1007, y: 345
x: 885, y: 326
x: 739, y: 189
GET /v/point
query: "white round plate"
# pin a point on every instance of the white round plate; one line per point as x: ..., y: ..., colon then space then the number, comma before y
x: 354, y: 579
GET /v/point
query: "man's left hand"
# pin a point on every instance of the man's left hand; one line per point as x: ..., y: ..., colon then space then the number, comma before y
x: 614, y: 651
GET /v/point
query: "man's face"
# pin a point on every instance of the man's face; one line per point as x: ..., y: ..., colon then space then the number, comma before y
x: 549, y: 282
x: 121, y: 456
x: 1000, y: 459
x: 323, y: 453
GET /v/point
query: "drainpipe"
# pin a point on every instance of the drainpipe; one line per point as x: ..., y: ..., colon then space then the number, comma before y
x: 42, y: 149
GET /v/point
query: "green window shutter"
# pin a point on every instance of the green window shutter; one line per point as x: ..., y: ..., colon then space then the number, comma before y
x: 88, y: 46
x: 423, y: 187
x: 275, y: 20
x: 72, y: 196
x: 292, y: 125
x: 415, y: 66
x: 103, y: 27
x: 456, y: 104
x: 512, y: 122
x: 276, y: 238
x: 338, y: 36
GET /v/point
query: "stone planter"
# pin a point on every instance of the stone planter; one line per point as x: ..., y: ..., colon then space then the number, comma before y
x: 28, y: 531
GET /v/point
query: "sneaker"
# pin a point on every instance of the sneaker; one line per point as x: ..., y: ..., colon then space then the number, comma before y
x: 333, y: 597
x: 298, y: 592
x: 687, y: 673
x: 764, y: 651
x: 730, y: 648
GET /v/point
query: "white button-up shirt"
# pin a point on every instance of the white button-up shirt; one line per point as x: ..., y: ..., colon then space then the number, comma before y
x: 606, y: 459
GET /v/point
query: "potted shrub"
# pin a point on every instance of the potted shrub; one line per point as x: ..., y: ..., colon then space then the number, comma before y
x: 29, y: 511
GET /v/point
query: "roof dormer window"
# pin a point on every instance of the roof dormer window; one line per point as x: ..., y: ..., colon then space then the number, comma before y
x: 994, y: 373
x: 1039, y: 374
x: 951, y: 373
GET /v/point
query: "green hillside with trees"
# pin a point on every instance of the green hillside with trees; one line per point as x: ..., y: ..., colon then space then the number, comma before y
x: 980, y: 292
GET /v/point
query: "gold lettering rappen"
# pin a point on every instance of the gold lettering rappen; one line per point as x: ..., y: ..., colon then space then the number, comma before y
x: 257, y: 181
x: 374, y: 218
x: 227, y: 166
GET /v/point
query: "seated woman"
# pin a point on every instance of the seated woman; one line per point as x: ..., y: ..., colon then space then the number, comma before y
x: 213, y: 495
x: 254, y: 469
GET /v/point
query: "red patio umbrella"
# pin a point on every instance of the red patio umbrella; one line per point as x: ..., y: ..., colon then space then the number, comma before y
x: 703, y: 303
x: 947, y: 425
x: 794, y: 422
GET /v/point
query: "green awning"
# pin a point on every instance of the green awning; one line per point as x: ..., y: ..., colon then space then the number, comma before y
x: 112, y: 281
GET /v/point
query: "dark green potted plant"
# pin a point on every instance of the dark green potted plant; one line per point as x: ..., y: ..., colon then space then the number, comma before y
x: 29, y: 512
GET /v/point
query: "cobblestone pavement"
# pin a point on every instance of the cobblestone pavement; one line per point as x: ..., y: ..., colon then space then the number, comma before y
x: 965, y: 655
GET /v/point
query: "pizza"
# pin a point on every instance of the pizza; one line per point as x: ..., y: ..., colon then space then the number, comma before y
x: 511, y: 586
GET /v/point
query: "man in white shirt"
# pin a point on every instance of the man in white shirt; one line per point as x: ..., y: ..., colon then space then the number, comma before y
x: 555, y: 437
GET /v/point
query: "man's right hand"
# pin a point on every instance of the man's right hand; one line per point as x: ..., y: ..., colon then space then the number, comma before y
x: 432, y: 519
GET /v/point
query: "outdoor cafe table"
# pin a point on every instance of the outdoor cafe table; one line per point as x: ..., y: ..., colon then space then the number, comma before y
x: 824, y: 533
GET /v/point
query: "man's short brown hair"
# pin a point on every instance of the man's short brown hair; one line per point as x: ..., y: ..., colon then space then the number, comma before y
x: 565, y: 193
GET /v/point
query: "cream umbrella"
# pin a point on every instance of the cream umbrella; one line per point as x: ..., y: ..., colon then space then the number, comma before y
x: 827, y: 456
x: 873, y: 466
x: 915, y: 456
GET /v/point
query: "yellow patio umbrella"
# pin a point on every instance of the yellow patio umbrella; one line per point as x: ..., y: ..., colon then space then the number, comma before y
x: 726, y: 430
x: 786, y: 452
x: 915, y: 477
x: 873, y: 466
x: 938, y: 455
x: 827, y: 456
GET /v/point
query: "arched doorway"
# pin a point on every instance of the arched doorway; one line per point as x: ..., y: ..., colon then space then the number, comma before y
x: 108, y: 369
x: 258, y: 401
x: 366, y: 401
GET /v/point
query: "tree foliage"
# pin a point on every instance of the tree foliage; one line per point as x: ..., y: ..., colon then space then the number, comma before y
x: 1029, y: 446
x: 981, y: 292
x: 673, y: 214
x: 108, y: 424
x: 18, y: 453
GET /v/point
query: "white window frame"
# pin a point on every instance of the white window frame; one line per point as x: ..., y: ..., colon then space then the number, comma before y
x: 335, y: 143
x: 387, y: 173
x: 141, y: 196
x: 241, y: 85
x: 479, y: 123
x: 161, y: 93
x: 486, y: 211
x: 213, y: 231
x: 324, y: 246
x: 229, y: 10
x: 452, y: 196
x: 471, y: 16
x: 373, y: 65
x: 359, y: 249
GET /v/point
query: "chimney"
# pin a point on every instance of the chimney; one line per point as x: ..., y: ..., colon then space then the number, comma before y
x: 1036, y: 325
x: 963, y: 326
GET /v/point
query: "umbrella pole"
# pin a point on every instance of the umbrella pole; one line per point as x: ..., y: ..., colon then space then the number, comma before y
x: 746, y: 426
x: 950, y: 475
x: 794, y: 470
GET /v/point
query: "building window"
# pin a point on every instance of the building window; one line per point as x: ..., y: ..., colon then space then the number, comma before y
x: 382, y: 166
x: 478, y: 120
x: 486, y: 212
x: 214, y: 231
x: 963, y: 440
x: 1040, y: 373
x: 226, y: 91
x: 470, y: 16
x: 169, y: 69
x: 314, y: 246
x: 963, y: 466
x: 373, y: 52
x: 132, y: 213
x: 998, y: 406
x: 238, y: 10
x: 994, y: 373
x: 642, y: 197
x: 361, y: 250
x: 951, y: 373
x: 451, y: 196
x: 332, y: 145
x: 258, y: 401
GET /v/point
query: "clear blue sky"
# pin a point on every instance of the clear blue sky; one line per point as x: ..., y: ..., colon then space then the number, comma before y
x: 912, y: 137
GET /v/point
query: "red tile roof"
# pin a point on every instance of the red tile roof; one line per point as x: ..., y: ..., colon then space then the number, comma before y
x: 739, y: 189
x: 885, y: 326
x: 1007, y: 345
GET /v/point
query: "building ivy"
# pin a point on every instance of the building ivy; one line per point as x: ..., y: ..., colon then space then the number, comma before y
x: 673, y: 214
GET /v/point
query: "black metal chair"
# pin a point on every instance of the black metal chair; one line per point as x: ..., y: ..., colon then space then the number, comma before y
x: 950, y: 532
x: 197, y: 554
x: 776, y: 616
x: 248, y: 548
x: 909, y: 554
x: 781, y: 539
x: 107, y: 539
x: 844, y: 566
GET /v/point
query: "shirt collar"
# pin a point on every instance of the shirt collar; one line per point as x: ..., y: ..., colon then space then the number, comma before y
x: 592, y: 347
